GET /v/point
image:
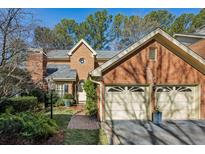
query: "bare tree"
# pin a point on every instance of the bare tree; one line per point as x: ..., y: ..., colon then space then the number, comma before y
x: 15, y: 30
x: 129, y: 29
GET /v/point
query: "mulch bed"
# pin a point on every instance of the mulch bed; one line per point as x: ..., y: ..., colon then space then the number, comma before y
x: 57, y: 139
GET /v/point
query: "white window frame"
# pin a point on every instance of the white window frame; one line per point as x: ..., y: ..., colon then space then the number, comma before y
x: 60, y: 89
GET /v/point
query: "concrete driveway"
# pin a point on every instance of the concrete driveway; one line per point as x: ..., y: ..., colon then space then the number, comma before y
x: 144, y: 132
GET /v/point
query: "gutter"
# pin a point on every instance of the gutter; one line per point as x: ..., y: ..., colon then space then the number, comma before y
x: 101, y: 97
x: 190, y: 35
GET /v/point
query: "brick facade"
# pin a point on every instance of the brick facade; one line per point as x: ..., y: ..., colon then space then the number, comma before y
x: 167, y: 69
x: 36, y: 65
x: 82, y: 69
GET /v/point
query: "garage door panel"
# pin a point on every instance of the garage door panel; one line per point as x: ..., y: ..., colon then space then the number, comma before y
x: 178, y: 114
x: 138, y: 97
x: 132, y: 96
x: 177, y: 102
x: 125, y: 106
x: 164, y: 105
x: 126, y: 102
x: 124, y: 115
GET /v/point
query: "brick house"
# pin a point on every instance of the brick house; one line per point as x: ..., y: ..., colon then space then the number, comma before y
x: 157, y: 71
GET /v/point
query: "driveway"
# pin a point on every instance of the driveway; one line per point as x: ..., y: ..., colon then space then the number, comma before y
x: 144, y: 132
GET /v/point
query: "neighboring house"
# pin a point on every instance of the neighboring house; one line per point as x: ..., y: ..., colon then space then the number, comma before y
x: 157, y: 70
x: 191, y: 38
x: 195, y: 40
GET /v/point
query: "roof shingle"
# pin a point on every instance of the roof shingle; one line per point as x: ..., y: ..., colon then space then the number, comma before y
x: 58, y: 54
x: 60, y: 71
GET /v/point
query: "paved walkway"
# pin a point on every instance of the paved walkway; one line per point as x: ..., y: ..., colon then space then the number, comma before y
x: 82, y: 121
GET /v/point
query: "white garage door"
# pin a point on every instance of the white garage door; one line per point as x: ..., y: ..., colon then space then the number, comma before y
x: 178, y: 102
x: 126, y: 102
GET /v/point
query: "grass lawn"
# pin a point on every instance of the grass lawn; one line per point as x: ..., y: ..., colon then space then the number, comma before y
x: 85, y: 137
x: 62, y: 116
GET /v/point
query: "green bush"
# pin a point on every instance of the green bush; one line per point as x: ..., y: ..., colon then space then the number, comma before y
x: 27, y: 126
x: 55, y: 97
x: 59, y: 103
x: 39, y: 94
x: 68, y: 96
x: 19, y: 104
x: 91, y: 98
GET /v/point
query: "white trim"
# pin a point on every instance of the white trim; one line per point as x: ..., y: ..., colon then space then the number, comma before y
x: 190, y: 35
x: 84, y: 42
x: 153, y: 35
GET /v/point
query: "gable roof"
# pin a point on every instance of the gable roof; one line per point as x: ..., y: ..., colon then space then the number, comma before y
x: 78, y: 44
x: 184, y: 52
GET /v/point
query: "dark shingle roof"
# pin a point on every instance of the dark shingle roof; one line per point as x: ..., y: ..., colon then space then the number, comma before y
x: 200, y: 30
x: 106, y: 54
x: 64, y: 54
x: 60, y: 71
x: 57, y: 54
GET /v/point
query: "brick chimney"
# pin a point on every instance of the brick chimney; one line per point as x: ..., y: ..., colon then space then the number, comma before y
x: 36, y: 65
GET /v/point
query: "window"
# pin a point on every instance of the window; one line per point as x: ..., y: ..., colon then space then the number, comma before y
x: 61, y: 89
x: 66, y: 88
x: 153, y: 53
x: 80, y: 86
x: 82, y: 60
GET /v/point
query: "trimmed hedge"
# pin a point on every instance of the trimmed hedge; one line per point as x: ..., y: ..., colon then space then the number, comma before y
x: 27, y: 125
x: 20, y: 104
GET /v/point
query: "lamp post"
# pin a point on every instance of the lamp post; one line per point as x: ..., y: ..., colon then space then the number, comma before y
x: 51, y: 88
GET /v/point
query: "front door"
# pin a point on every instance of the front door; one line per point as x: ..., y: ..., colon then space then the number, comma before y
x: 81, y: 92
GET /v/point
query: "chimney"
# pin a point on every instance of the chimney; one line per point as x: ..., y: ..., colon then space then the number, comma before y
x: 36, y: 64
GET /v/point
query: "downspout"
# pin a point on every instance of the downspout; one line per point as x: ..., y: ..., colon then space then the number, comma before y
x: 101, y: 97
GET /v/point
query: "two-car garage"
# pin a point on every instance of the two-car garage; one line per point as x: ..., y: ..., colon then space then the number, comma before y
x: 133, y: 102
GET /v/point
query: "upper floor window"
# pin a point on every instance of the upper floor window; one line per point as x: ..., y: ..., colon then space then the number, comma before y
x: 82, y: 60
x: 153, y: 53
